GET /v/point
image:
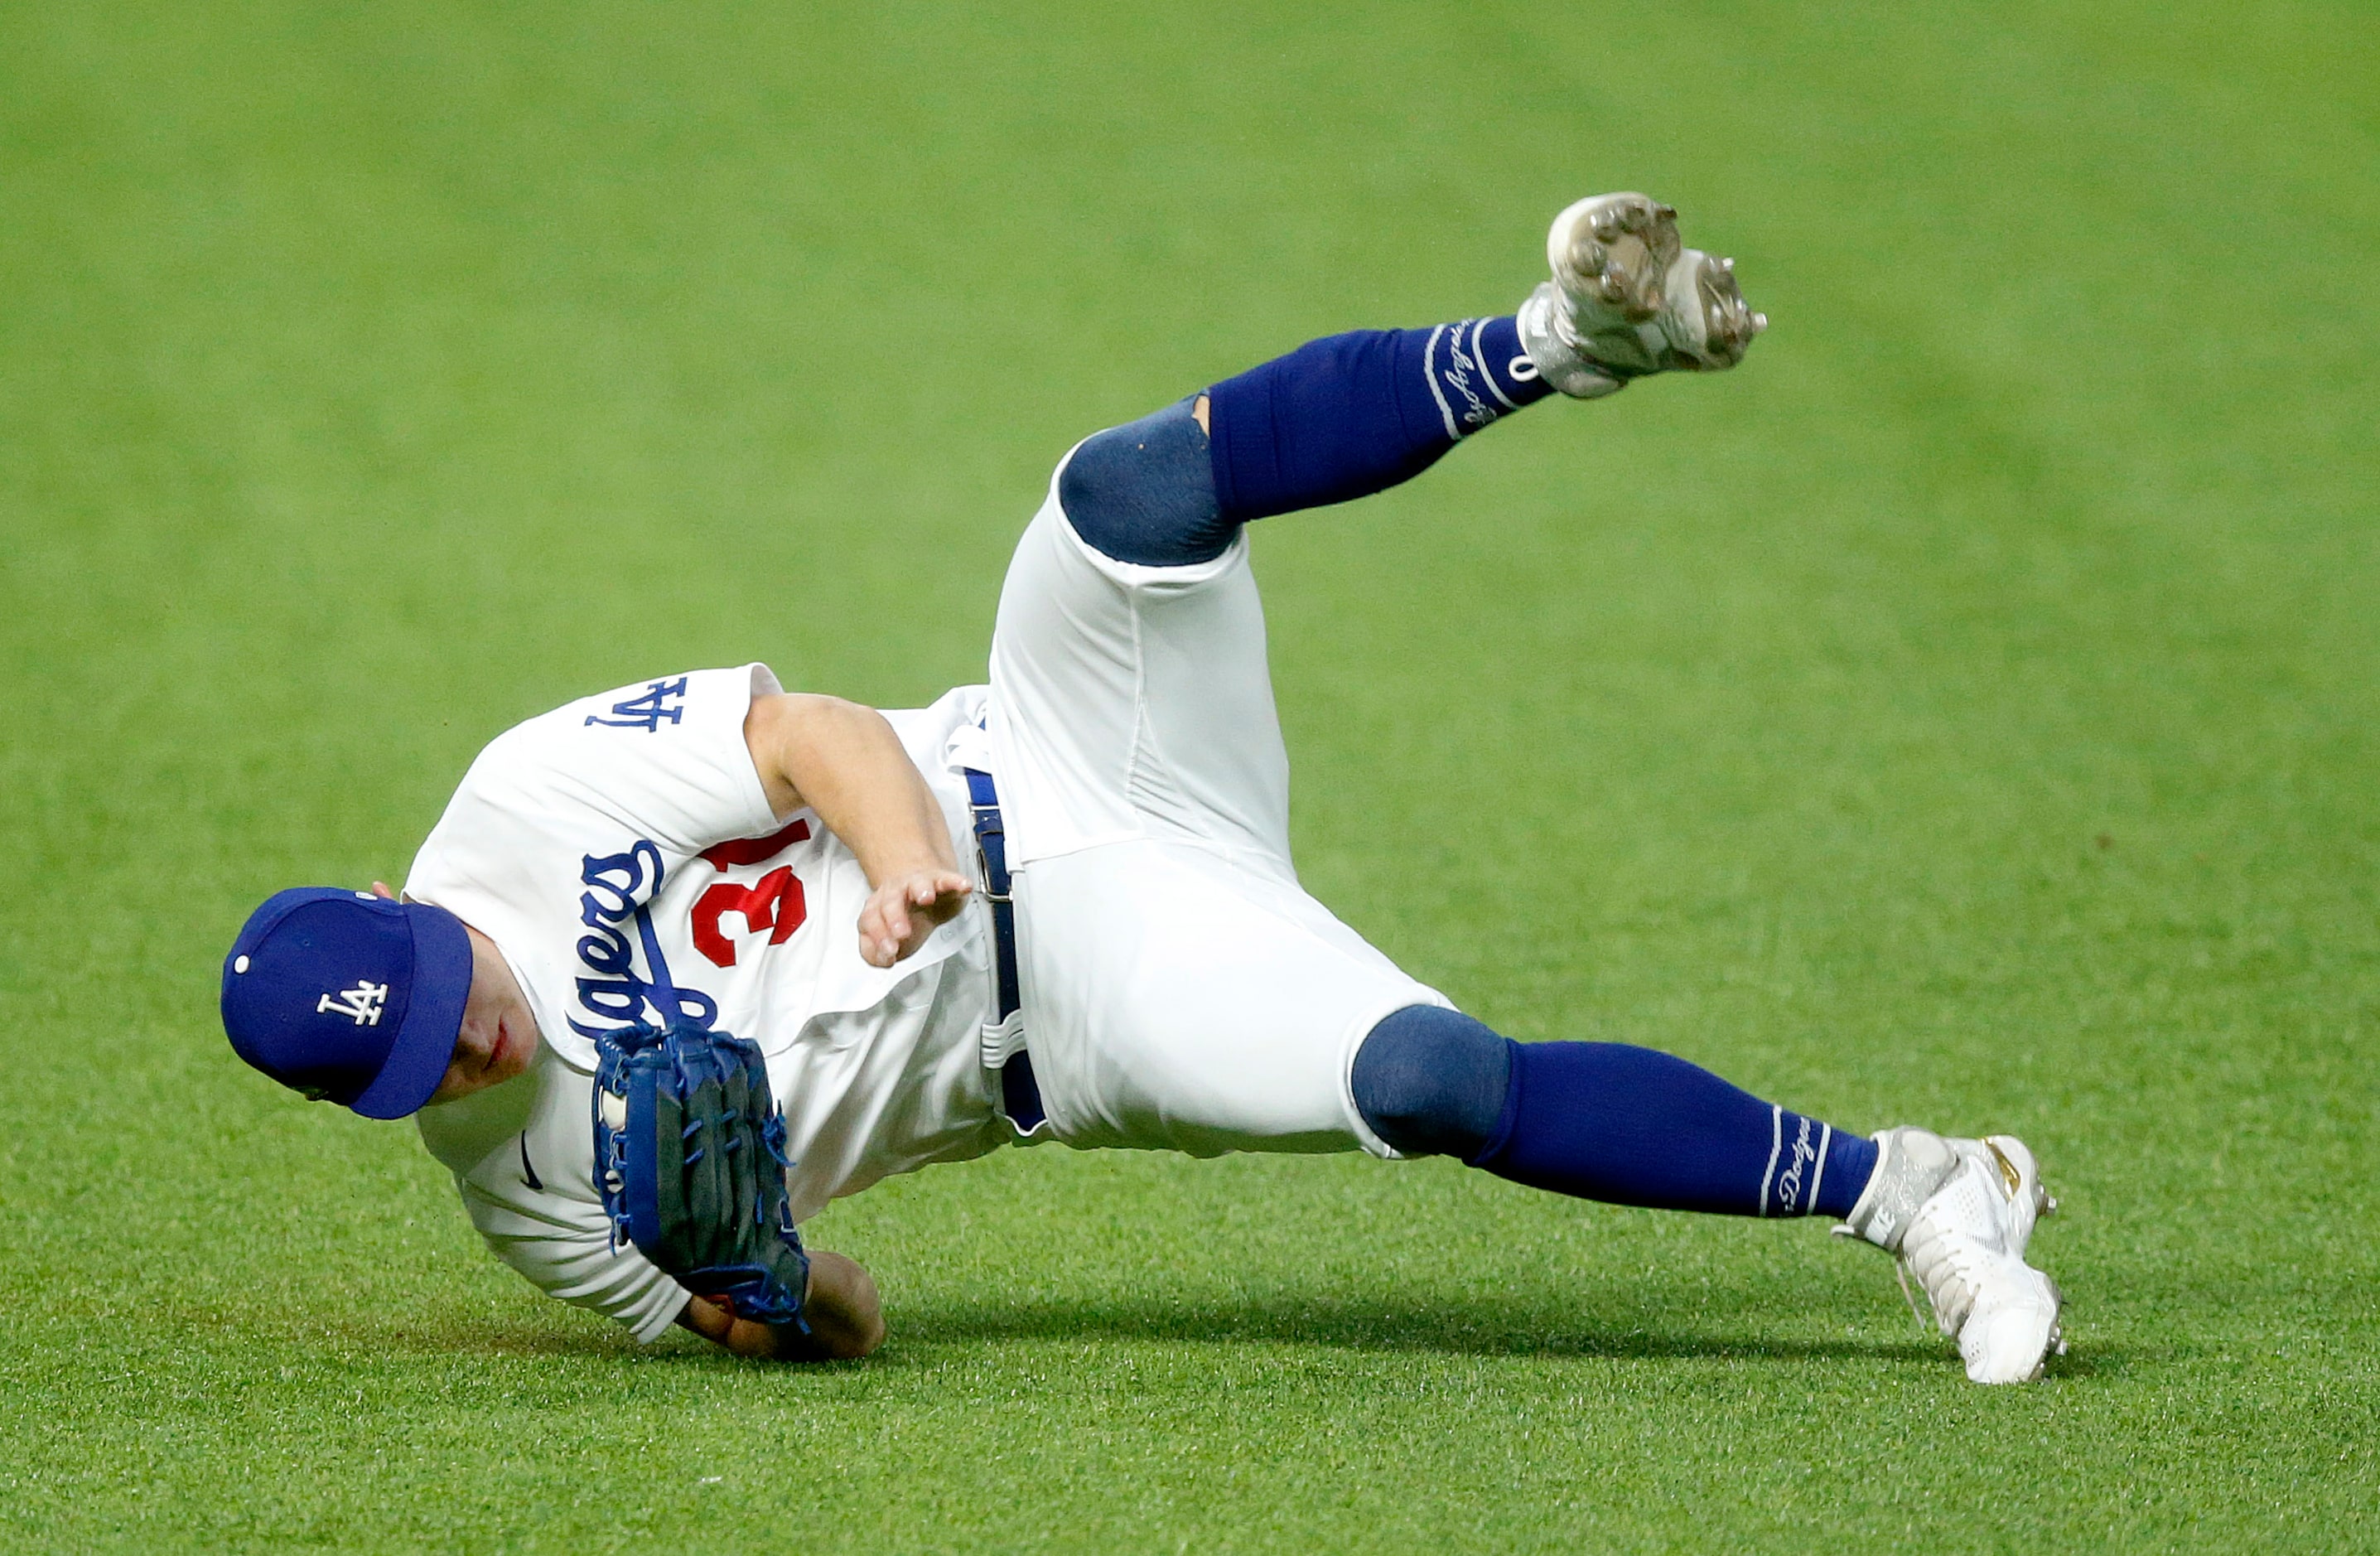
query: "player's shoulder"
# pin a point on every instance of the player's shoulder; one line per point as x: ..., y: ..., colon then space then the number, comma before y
x: 659, y: 704
x: 660, y: 762
x: 645, y: 718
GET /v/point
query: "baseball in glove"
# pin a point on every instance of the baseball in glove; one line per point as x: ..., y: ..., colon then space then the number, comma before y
x: 690, y: 1160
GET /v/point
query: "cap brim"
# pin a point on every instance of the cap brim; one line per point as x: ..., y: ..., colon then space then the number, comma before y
x: 433, y: 1016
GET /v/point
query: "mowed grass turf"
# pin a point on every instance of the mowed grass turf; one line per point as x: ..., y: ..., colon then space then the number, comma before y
x: 1965, y: 712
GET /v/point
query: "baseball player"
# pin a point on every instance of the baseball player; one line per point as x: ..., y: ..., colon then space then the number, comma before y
x: 683, y: 961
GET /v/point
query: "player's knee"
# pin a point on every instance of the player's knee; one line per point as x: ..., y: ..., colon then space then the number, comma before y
x: 1432, y: 1081
x: 1143, y: 493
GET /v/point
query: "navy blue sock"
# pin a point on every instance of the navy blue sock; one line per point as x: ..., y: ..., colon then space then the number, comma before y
x: 1353, y: 414
x: 1631, y: 1126
x: 1599, y: 1121
x: 1337, y: 418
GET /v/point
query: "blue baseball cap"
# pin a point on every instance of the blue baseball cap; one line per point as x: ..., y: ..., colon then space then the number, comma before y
x: 349, y: 997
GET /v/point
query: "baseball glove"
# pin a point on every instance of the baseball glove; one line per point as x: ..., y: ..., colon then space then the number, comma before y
x: 690, y: 1160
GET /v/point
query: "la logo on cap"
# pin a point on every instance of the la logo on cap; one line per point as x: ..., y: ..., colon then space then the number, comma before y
x: 360, y: 1004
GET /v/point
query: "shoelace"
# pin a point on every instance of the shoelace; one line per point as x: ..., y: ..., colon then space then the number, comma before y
x: 1926, y: 1321
x: 1959, y: 1271
x: 1900, y: 1277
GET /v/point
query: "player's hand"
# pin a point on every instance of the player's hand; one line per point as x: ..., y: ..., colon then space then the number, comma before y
x: 904, y: 911
x: 846, y: 1315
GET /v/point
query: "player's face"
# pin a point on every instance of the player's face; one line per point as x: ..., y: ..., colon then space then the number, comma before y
x: 499, y: 1035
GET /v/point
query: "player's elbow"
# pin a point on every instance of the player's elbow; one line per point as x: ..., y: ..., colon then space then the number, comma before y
x: 805, y: 721
x: 800, y: 741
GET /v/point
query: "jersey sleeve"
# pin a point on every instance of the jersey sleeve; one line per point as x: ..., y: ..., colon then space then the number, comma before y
x: 664, y: 759
x: 565, y: 1252
x: 524, y: 1162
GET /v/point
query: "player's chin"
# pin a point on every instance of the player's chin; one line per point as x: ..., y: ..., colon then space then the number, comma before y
x: 515, y: 1047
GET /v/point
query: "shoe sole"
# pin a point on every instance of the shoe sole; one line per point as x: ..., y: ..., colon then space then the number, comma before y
x: 2057, y: 1346
x: 1727, y: 323
x: 1619, y: 262
x: 1611, y: 256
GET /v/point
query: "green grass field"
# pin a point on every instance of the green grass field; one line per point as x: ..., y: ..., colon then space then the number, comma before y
x: 1968, y: 711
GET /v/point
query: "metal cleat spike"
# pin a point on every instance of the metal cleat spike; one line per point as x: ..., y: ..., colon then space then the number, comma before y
x: 1648, y: 304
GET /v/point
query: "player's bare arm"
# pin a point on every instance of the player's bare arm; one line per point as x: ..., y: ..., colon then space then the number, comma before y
x: 843, y: 761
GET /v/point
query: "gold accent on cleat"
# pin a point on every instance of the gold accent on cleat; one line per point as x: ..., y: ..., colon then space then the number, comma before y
x: 2008, y: 1175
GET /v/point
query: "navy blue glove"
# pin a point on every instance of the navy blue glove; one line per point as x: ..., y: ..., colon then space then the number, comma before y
x: 690, y: 1160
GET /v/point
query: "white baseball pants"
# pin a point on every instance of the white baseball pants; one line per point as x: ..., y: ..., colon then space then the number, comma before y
x: 1180, y: 990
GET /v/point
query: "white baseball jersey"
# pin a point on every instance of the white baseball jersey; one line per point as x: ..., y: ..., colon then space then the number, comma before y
x: 1180, y: 990
x: 621, y: 853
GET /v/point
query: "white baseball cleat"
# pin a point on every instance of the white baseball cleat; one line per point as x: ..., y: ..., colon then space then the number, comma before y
x: 1958, y: 1214
x: 1627, y: 300
x: 2028, y: 1200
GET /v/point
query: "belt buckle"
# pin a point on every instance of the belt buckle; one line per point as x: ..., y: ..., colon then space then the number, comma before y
x: 983, y: 875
